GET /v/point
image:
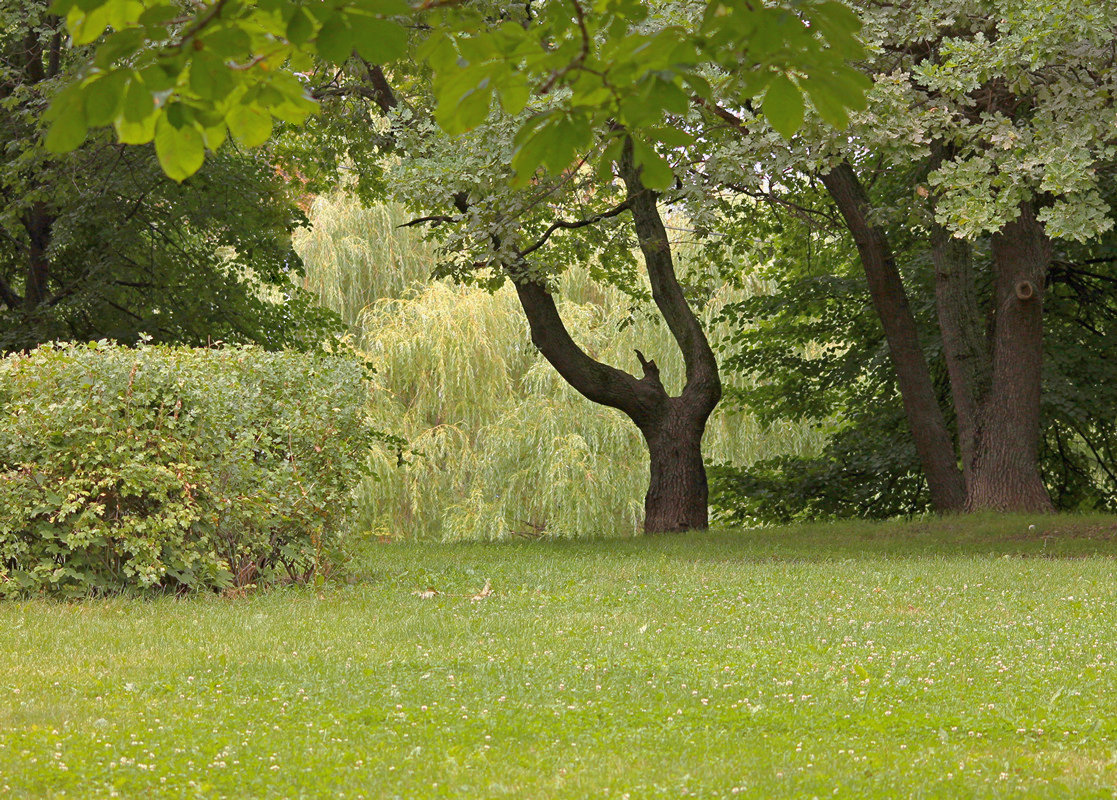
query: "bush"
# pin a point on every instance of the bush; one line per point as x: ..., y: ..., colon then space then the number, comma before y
x: 174, y: 468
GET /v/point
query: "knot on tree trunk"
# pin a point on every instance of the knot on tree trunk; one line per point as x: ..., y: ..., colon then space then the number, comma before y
x: 1025, y: 290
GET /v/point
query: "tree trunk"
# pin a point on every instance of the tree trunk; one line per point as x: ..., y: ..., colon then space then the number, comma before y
x: 964, y: 337
x: 933, y: 441
x: 677, y: 491
x: 672, y: 426
x: 39, y: 225
x: 1006, y: 459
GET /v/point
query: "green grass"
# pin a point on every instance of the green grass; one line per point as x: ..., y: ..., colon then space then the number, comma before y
x: 941, y: 659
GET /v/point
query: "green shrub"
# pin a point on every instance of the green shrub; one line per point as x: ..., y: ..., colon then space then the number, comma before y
x: 172, y: 468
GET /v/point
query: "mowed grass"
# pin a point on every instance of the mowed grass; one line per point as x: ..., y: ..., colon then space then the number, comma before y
x: 947, y: 658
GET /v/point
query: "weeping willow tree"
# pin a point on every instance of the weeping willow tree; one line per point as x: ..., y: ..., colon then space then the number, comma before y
x: 504, y: 446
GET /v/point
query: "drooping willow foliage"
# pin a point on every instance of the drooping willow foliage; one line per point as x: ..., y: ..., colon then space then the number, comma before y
x: 505, y: 447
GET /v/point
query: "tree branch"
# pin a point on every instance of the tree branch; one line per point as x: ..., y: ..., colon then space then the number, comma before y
x: 10, y: 298
x: 608, y: 386
x: 702, y: 380
x: 203, y: 22
x: 574, y: 225
x: 641, y: 400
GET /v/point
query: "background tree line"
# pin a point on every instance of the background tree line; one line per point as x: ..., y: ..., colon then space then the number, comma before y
x: 936, y: 271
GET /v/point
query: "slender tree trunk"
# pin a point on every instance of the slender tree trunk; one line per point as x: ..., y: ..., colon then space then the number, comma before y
x: 964, y: 337
x: 677, y: 491
x: 932, y: 438
x: 39, y: 225
x: 1006, y: 461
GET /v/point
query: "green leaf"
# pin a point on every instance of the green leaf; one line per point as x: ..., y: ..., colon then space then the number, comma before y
x: 157, y: 15
x: 844, y: 84
x: 180, y: 149
x: 386, y: 8
x: 656, y: 173
x: 377, y: 40
x: 117, y: 46
x: 87, y: 26
x: 836, y: 17
x: 69, y: 127
x: 103, y: 97
x: 250, y: 124
x: 783, y: 106
x: 566, y: 139
x: 527, y: 155
x: 672, y: 137
x: 300, y: 27
x: 440, y: 51
x: 209, y: 76
x: 228, y: 43
x: 140, y: 132
x: 123, y: 13
x: 514, y: 95
x: 611, y: 154
x: 466, y: 112
x: 335, y: 40
x: 139, y: 104
x: 214, y: 136
x: 827, y: 102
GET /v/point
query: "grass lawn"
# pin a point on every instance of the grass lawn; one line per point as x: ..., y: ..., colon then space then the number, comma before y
x: 939, y: 659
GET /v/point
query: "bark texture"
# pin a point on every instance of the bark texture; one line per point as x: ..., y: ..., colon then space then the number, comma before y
x: 964, y: 337
x: 677, y: 490
x: 932, y: 438
x: 1006, y: 467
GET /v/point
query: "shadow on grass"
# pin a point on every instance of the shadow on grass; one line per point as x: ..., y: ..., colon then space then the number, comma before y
x: 1026, y: 536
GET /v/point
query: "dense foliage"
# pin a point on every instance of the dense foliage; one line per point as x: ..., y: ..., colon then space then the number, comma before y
x: 975, y: 184
x: 187, y: 78
x: 98, y: 244
x: 169, y: 468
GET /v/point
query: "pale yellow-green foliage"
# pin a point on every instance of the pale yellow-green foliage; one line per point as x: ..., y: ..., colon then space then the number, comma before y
x: 504, y: 446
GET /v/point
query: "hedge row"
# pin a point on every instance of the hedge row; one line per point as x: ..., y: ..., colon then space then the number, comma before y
x: 174, y: 468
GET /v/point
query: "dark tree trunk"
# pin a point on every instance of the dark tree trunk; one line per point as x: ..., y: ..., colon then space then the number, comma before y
x: 964, y: 337
x: 932, y: 438
x: 672, y: 426
x: 677, y: 492
x: 39, y: 224
x: 1006, y: 467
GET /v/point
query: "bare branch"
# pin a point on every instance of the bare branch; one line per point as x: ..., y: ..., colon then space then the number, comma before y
x: 574, y: 225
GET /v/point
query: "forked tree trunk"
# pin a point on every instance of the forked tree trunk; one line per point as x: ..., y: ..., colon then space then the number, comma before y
x: 672, y: 426
x: 1006, y: 473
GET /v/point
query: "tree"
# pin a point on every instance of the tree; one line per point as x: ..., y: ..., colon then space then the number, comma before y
x: 1005, y: 106
x: 97, y: 244
x: 1014, y: 103
x: 574, y: 87
x: 816, y: 351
